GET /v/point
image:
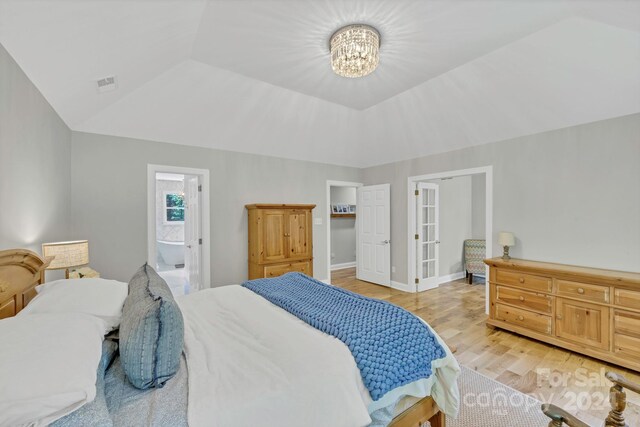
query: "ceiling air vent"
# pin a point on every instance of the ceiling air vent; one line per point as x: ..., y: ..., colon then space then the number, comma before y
x: 106, y: 84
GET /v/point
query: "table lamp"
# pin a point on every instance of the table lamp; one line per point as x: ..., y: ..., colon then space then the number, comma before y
x: 506, y: 239
x: 66, y: 254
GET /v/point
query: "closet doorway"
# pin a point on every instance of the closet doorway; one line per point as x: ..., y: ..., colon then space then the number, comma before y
x: 178, y: 226
x: 342, y: 213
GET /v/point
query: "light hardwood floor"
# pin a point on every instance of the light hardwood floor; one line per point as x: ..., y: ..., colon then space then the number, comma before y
x: 550, y: 374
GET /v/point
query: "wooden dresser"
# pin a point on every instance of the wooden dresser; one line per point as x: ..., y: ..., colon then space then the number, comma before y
x: 587, y: 310
x: 280, y: 239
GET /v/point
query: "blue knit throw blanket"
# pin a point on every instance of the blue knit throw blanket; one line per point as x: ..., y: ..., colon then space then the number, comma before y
x: 391, y: 346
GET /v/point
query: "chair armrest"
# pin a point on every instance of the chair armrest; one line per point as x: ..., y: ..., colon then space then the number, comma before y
x: 623, y: 382
x: 560, y: 416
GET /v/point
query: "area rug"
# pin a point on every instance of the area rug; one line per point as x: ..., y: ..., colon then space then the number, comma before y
x: 487, y: 403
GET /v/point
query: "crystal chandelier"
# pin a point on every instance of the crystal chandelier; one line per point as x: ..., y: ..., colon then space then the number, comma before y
x: 355, y: 50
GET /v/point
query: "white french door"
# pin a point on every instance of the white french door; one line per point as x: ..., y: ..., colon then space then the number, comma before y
x: 427, y: 235
x: 192, y: 242
x: 374, y: 234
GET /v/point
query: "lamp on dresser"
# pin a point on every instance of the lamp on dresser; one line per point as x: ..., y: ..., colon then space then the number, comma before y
x: 66, y: 254
x: 506, y: 239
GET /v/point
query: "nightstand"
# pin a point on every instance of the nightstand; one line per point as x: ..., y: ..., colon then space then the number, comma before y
x: 84, y: 273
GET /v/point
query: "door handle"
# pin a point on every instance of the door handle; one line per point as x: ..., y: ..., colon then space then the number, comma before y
x: 437, y: 242
x: 386, y: 242
x: 189, y: 246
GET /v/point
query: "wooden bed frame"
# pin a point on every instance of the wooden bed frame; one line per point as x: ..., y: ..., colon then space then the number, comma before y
x: 21, y: 270
x: 422, y: 411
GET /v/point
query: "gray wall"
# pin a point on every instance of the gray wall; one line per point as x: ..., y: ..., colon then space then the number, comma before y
x: 478, y: 207
x: 455, y: 222
x: 570, y: 195
x: 343, y: 230
x: 109, y: 188
x: 35, y: 167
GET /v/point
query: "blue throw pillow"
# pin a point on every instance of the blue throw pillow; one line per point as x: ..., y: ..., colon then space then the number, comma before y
x: 151, y: 331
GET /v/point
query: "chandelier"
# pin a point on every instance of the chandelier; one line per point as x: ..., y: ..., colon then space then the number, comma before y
x: 355, y: 50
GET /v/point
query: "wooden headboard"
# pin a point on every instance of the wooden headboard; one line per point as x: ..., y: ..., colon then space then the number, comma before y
x: 21, y: 270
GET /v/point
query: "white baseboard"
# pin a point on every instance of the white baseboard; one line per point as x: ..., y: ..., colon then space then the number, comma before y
x: 442, y: 279
x: 403, y: 287
x: 343, y: 265
x: 451, y: 277
x: 327, y: 281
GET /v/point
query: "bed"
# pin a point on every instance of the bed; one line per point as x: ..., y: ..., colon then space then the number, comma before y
x: 21, y: 270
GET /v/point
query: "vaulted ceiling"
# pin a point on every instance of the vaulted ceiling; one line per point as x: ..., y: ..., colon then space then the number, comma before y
x: 254, y: 75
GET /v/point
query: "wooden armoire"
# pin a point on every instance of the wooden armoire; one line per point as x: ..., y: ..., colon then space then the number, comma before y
x: 280, y: 239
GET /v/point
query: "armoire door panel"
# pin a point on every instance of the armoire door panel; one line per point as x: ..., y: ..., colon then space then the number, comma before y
x: 298, y: 234
x: 273, y: 229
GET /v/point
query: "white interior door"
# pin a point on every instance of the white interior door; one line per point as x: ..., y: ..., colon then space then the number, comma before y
x: 192, y: 240
x: 374, y: 234
x: 427, y: 235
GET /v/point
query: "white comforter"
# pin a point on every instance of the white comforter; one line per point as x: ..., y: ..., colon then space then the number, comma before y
x: 251, y: 363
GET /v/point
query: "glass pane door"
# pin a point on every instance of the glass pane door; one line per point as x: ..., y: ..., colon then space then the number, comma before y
x: 427, y: 226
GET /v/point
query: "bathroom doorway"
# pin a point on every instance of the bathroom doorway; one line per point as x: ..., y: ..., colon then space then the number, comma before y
x: 178, y: 223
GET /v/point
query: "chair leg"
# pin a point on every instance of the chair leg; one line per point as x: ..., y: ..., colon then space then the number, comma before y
x: 470, y: 278
x: 466, y: 274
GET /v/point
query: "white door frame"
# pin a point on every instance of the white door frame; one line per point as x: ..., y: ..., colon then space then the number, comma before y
x: 328, y: 219
x: 411, y: 217
x: 205, y: 217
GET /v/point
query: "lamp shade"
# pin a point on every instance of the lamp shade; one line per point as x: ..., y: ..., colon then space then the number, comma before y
x: 506, y: 238
x: 66, y: 254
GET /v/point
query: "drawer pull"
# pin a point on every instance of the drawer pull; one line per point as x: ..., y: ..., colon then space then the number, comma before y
x: 521, y: 318
x: 3, y: 288
x: 522, y: 280
x: 580, y: 291
x: 521, y: 298
x: 559, y: 317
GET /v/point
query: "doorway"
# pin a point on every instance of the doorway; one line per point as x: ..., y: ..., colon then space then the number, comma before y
x: 341, y: 226
x: 178, y: 226
x: 450, y: 216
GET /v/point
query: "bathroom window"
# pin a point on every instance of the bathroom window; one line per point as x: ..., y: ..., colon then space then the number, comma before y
x: 174, y: 207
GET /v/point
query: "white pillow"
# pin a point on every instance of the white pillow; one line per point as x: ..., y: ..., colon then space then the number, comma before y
x: 99, y: 297
x: 48, y: 366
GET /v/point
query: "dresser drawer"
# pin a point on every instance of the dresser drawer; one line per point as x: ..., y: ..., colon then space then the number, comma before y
x: 28, y: 295
x: 523, y: 318
x: 583, y: 291
x: 280, y: 269
x: 627, y: 298
x: 524, y: 299
x: 7, y: 289
x: 529, y: 281
x: 626, y: 346
x: 626, y: 322
x: 8, y: 308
